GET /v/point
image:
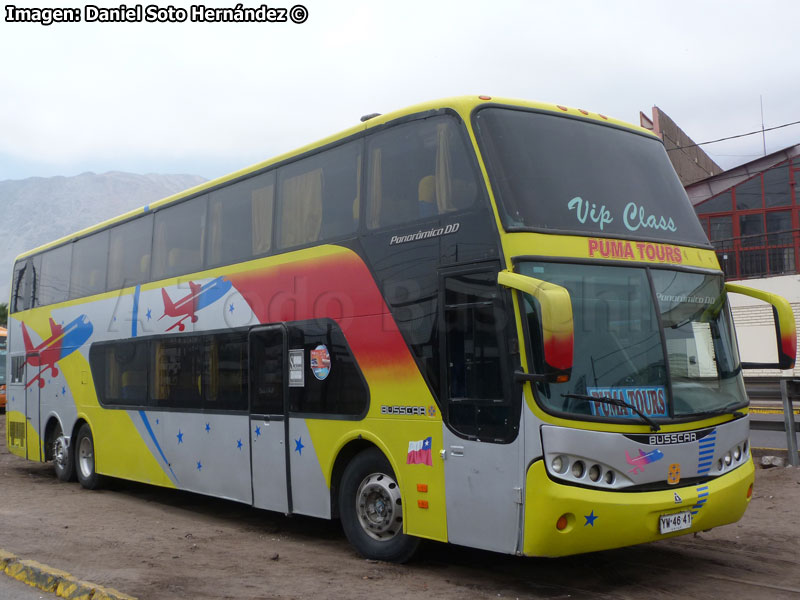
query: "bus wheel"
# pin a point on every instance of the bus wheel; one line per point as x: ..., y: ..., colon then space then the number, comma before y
x: 371, y: 509
x: 84, y: 459
x: 63, y: 456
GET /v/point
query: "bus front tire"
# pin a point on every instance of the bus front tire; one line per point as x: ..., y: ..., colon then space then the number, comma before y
x: 84, y: 459
x: 63, y: 456
x: 371, y: 510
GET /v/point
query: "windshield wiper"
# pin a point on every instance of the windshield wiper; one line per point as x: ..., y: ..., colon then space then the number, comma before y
x: 615, y: 402
x: 725, y: 410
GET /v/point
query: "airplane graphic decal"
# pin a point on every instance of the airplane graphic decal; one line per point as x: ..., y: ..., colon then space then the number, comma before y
x: 63, y: 341
x: 643, y: 459
x: 197, y: 299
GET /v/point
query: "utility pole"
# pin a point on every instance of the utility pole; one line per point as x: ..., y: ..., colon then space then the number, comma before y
x: 763, y: 135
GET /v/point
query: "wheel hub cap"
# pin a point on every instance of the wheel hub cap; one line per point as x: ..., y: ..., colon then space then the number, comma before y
x: 379, y: 507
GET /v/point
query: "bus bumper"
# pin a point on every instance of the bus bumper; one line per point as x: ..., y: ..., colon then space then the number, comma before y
x: 600, y: 520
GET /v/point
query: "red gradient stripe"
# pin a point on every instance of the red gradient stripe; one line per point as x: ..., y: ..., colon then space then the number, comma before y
x: 336, y: 285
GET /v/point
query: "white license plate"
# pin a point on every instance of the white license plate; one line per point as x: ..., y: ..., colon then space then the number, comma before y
x: 675, y: 522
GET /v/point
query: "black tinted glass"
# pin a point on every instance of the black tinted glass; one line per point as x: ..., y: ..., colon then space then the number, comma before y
x: 332, y: 380
x: 419, y: 170
x: 178, y: 239
x: 54, y: 283
x: 89, y: 257
x: 129, y: 253
x: 557, y: 173
x: 240, y: 220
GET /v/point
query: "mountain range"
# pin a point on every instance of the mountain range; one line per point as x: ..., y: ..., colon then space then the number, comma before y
x: 39, y: 210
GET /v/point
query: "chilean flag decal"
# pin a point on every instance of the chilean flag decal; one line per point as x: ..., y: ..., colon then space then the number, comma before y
x: 419, y: 453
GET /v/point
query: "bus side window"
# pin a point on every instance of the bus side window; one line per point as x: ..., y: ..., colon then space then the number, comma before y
x: 54, y: 284
x: 89, y: 259
x: 333, y: 383
x: 129, y: 253
x: 178, y: 238
x: 240, y: 220
x: 17, y: 369
x: 317, y: 196
x: 21, y: 293
x: 418, y: 170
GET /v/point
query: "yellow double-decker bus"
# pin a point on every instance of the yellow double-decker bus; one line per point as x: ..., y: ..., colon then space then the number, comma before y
x: 482, y: 321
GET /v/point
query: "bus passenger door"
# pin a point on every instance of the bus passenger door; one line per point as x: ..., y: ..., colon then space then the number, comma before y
x: 33, y: 377
x: 483, y: 441
x: 268, y: 419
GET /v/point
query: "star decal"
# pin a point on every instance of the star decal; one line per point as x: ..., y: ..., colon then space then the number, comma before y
x: 149, y: 314
x: 63, y: 390
x: 298, y: 446
x: 590, y: 518
x: 157, y: 421
x: 199, y: 466
x: 230, y: 308
x: 208, y: 427
x: 239, y: 444
x: 180, y: 436
x: 258, y: 431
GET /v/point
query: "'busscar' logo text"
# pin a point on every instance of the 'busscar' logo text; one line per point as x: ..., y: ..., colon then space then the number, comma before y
x: 403, y: 410
x: 665, y: 439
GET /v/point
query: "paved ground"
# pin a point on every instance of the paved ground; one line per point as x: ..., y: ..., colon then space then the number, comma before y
x: 161, y: 545
x: 11, y: 589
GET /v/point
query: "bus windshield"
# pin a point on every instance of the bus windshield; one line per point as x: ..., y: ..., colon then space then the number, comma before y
x: 658, y: 339
x: 555, y: 173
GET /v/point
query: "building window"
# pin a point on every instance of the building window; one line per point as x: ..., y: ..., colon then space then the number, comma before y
x: 721, y: 231
x: 721, y: 203
x: 750, y: 228
x: 748, y: 194
x: 777, y: 191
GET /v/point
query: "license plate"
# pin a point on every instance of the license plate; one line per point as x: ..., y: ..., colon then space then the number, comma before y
x: 675, y: 521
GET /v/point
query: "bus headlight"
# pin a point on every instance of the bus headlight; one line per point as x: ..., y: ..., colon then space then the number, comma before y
x: 577, y: 469
x: 559, y: 464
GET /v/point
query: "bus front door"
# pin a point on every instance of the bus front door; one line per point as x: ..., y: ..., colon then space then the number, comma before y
x: 33, y: 378
x: 268, y: 419
x: 483, y: 445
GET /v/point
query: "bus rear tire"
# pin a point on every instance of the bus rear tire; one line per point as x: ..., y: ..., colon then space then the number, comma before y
x: 371, y: 509
x: 84, y: 459
x: 63, y: 456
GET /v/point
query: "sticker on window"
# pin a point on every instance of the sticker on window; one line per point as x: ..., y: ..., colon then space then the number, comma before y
x: 296, y: 376
x: 652, y: 401
x: 321, y: 362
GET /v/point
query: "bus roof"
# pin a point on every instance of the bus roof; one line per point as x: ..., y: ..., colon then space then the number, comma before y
x: 464, y: 105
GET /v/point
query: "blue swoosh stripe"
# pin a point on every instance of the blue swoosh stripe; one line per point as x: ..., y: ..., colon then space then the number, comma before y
x: 135, y: 317
x: 146, y: 422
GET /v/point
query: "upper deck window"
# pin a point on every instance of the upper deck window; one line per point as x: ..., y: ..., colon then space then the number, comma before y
x: 89, y: 258
x: 560, y: 174
x: 318, y: 196
x: 53, y: 286
x: 240, y: 220
x: 178, y: 239
x: 418, y: 170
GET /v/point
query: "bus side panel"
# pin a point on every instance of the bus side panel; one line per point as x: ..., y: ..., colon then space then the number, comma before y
x: 334, y: 282
x: 422, y: 484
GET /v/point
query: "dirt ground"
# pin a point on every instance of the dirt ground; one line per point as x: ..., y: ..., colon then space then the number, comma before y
x: 160, y: 545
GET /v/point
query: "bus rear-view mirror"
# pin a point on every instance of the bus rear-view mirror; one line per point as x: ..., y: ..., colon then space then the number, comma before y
x: 785, y: 330
x: 550, y: 327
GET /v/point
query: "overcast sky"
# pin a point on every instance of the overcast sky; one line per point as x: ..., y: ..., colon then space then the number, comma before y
x: 207, y: 99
